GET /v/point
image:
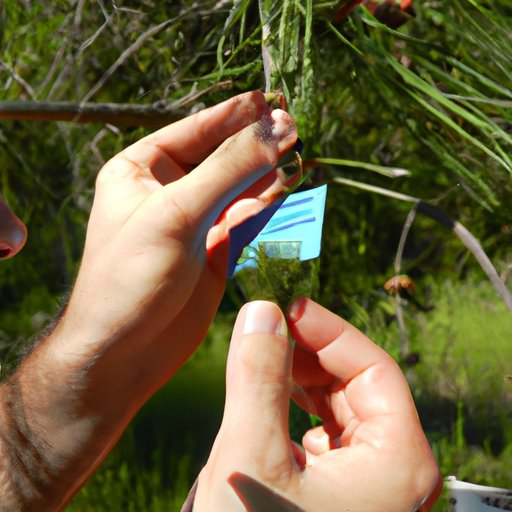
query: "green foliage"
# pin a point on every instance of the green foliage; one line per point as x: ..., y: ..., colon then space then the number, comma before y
x: 433, y: 98
x: 124, y: 484
x: 466, y: 346
x: 432, y: 88
x: 33, y: 314
x: 279, y: 279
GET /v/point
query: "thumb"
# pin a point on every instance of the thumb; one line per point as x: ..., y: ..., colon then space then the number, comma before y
x: 252, y: 449
x: 258, y: 382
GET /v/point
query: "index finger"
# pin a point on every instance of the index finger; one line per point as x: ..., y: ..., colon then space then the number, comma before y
x: 317, y: 330
x: 190, y: 140
x: 371, y: 381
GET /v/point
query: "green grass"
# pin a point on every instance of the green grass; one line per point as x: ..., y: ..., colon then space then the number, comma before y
x: 124, y: 484
x: 467, y: 345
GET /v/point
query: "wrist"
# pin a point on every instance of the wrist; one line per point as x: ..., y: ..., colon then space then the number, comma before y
x: 101, y: 372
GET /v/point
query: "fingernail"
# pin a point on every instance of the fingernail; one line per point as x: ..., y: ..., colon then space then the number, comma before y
x: 319, y: 435
x: 318, y: 441
x: 264, y: 317
x: 18, y: 236
x: 335, y: 442
x: 297, y: 309
x: 12, y: 242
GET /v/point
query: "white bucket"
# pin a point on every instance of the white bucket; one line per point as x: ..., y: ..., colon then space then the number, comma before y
x: 467, y: 497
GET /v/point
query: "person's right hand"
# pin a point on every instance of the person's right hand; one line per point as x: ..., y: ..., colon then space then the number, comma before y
x: 150, y: 281
x: 155, y: 258
x: 370, y: 454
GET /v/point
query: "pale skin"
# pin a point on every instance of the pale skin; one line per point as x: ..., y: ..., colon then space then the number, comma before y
x: 152, y: 275
x: 370, y: 454
x: 151, y: 278
x: 13, y: 232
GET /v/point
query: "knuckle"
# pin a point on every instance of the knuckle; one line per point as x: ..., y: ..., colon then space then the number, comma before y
x: 117, y: 166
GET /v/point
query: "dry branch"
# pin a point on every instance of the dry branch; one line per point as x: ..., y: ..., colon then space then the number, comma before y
x: 404, y: 337
x: 112, y: 113
x: 152, y: 115
x: 134, y: 48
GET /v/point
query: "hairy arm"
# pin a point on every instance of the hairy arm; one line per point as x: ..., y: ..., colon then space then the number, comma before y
x: 55, y: 429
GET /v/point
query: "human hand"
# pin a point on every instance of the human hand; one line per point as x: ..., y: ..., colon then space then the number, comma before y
x: 370, y: 454
x: 153, y: 270
x: 151, y: 278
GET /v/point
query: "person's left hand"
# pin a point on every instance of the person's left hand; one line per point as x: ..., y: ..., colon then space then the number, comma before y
x: 369, y: 455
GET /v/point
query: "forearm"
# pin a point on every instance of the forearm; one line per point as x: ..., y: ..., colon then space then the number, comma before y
x: 59, y: 417
x: 35, y: 472
x: 75, y: 393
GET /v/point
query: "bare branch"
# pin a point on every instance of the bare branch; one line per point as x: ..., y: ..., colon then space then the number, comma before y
x: 135, y: 47
x: 90, y: 40
x: 269, y: 65
x: 69, y: 66
x: 153, y: 115
x: 140, y: 115
x: 56, y: 61
x: 404, y: 337
x: 403, y: 238
x: 78, y: 13
x: 19, y: 79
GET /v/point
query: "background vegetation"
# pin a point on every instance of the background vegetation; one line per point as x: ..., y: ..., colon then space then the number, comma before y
x: 432, y: 96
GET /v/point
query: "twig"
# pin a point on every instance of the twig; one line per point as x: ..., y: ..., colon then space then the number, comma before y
x: 269, y: 65
x: 93, y: 145
x: 403, y: 238
x: 70, y: 60
x: 390, y: 172
x: 57, y: 59
x: 53, y: 67
x: 19, y: 79
x: 135, y: 47
x: 404, y: 337
x: 77, y: 21
x: 90, y: 40
x: 70, y: 63
x: 113, y: 113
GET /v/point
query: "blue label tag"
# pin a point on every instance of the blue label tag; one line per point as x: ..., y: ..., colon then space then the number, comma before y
x: 292, y: 228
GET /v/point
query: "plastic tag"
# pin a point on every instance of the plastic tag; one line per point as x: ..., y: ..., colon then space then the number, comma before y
x: 289, y: 229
